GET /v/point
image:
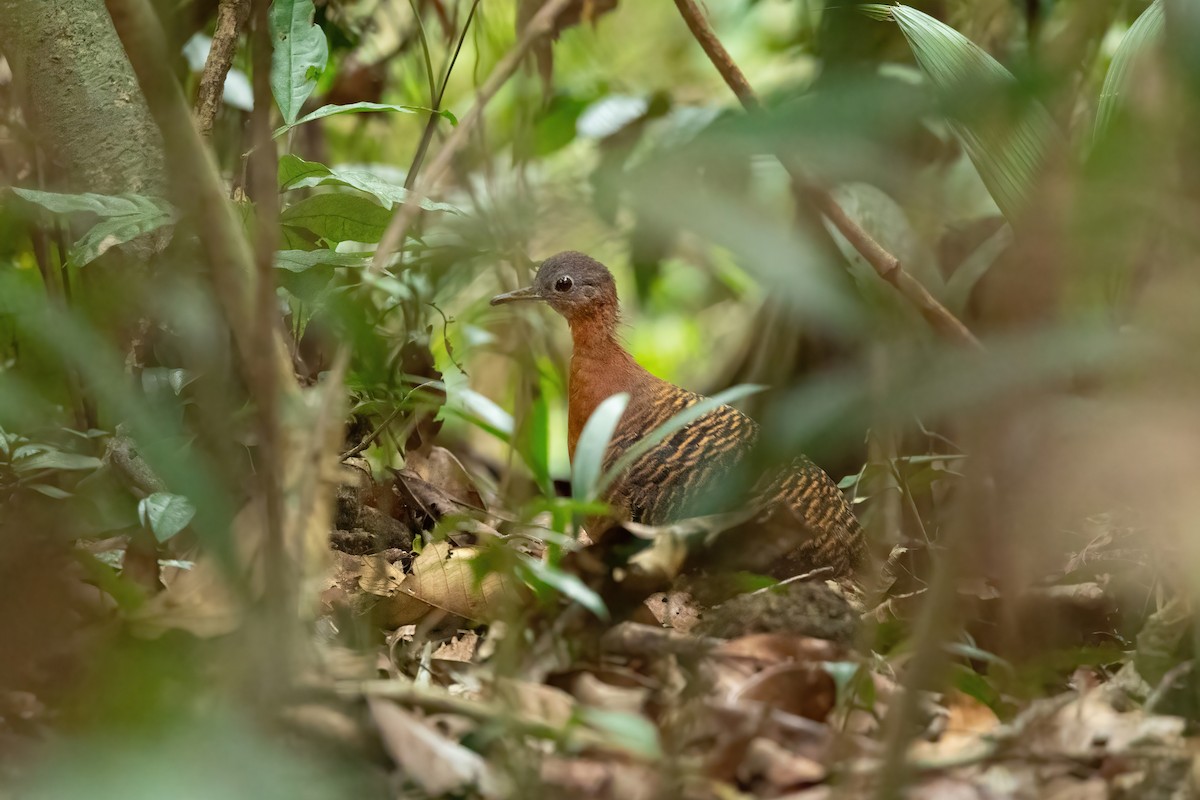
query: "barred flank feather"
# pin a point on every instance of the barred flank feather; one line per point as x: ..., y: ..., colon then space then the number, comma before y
x: 802, y: 509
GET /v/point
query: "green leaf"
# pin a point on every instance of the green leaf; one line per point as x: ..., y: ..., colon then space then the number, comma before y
x: 303, y: 260
x: 358, y: 108
x: 165, y: 514
x: 1142, y: 37
x: 50, y: 491
x: 592, y: 446
x: 300, y: 55
x: 568, y: 584
x: 55, y: 459
x: 339, y: 217
x: 1006, y: 137
x: 632, y: 731
x: 112, y: 232
x: 662, y: 432
x: 537, y: 433
x: 296, y: 173
x: 125, y: 218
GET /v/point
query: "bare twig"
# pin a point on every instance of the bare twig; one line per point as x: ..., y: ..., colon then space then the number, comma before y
x: 541, y: 25
x: 370, y: 438
x: 884, y: 263
x: 231, y: 15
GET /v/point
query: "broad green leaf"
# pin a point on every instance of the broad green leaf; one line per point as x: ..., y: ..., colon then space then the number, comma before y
x: 112, y: 232
x: 296, y: 173
x: 1006, y: 137
x: 567, y: 583
x: 339, y: 217
x: 125, y: 218
x: 662, y: 432
x: 165, y: 514
x: 358, y: 108
x: 588, y: 460
x: 102, y: 205
x: 302, y: 260
x: 55, y: 459
x: 1144, y: 35
x: 300, y: 55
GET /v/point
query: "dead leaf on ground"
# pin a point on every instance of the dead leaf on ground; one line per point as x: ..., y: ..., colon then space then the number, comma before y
x: 1091, y: 722
x: 460, y: 648
x: 674, y: 609
x: 803, y: 688
x: 769, y: 768
x: 441, y: 468
x: 538, y: 701
x: 967, y: 724
x: 442, y: 577
x: 596, y: 779
x: 591, y: 690
x: 438, y: 765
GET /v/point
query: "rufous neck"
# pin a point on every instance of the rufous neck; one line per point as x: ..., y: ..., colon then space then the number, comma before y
x: 595, y: 332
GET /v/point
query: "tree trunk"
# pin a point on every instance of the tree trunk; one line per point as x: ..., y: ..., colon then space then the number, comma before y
x: 80, y: 96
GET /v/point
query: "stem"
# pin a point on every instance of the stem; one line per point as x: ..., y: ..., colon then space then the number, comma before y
x: 231, y: 15
x: 431, y: 123
x: 541, y: 24
x: 279, y: 567
x: 886, y: 265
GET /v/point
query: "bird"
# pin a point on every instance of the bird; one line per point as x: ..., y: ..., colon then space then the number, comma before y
x: 688, y: 470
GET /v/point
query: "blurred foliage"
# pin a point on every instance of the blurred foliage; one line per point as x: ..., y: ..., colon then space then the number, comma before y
x: 1028, y: 163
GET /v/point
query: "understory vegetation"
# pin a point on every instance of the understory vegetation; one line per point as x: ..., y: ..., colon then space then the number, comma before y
x: 286, y: 506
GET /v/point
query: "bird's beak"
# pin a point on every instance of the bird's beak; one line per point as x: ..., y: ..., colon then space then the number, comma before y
x: 528, y: 293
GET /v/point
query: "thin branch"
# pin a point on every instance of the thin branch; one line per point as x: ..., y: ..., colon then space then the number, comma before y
x: 231, y: 16
x: 541, y: 25
x: 431, y: 124
x: 884, y: 263
x: 370, y: 438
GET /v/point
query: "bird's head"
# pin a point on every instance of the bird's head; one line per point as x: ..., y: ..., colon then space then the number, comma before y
x: 576, y: 286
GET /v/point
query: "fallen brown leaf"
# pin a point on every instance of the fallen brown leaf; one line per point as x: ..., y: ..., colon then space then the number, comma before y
x: 438, y: 765
x: 442, y: 577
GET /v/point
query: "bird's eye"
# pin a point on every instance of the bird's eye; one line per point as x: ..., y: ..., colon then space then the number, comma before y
x: 563, y: 284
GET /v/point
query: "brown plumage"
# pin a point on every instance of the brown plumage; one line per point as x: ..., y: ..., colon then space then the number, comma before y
x: 687, y: 473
